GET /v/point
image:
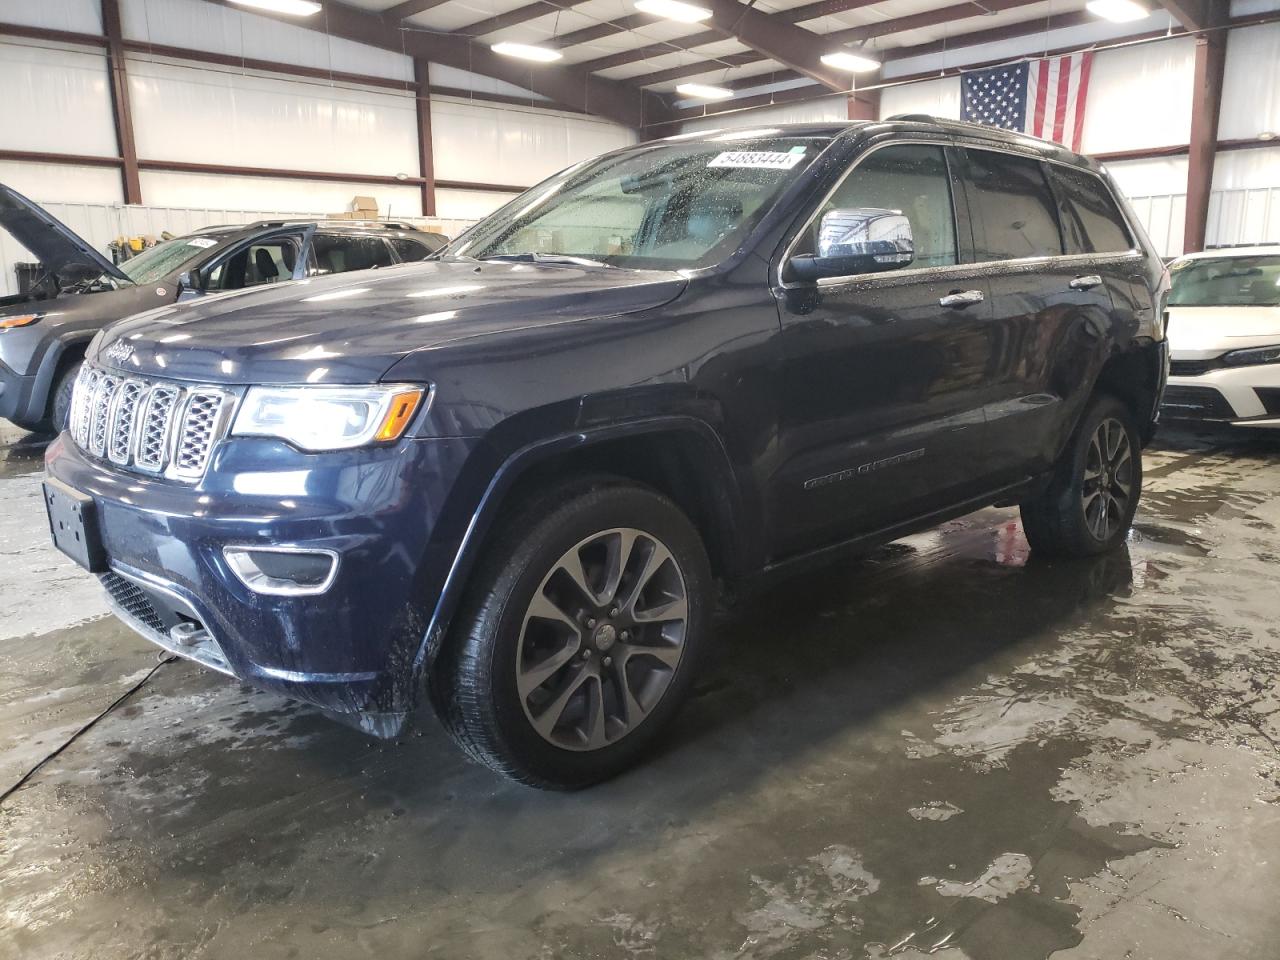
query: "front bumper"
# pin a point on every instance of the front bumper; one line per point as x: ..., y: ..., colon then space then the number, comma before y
x: 353, y: 650
x: 1242, y: 396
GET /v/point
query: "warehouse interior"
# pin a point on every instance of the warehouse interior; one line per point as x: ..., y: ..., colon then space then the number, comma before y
x: 945, y: 745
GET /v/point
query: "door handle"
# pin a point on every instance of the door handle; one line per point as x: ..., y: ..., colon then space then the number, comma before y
x: 961, y: 298
x: 1087, y: 282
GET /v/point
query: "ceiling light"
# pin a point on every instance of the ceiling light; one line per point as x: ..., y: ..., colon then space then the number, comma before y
x: 297, y: 8
x: 704, y: 92
x: 852, y: 62
x: 674, y: 10
x: 527, y: 52
x: 1118, y: 11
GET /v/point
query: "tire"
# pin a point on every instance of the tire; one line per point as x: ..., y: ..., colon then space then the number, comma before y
x: 1087, y: 509
x: 60, y: 400
x: 531, y: 679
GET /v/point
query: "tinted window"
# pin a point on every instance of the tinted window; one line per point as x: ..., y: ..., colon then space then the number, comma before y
x: 410, y: 250
x: 340, y: 253
x: 911, y: 179
x: 1013, y: 207
x: 1090, y: 221
x: 267, y: 261
x: 1226, y: 282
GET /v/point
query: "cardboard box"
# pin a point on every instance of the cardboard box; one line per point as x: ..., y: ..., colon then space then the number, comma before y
x: 366, y: 205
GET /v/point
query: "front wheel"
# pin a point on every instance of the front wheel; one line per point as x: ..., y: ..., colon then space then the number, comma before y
x: 1089, y: 504
x: 60, y: 403
x: 579, y: 638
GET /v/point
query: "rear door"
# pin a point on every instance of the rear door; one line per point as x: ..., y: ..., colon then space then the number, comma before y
x: 881, y: 382
x: 1049, y: 312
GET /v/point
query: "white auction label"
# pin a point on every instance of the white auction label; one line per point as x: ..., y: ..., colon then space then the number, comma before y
x: 758, y: 159
x: 204, y: 243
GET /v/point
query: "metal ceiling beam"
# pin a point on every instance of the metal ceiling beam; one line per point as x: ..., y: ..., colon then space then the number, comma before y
x: 568, y: 86
x: 793, y: 46
x: 1195, y: 14
x: 407, y: 9
x: 949, y: 14
x: 530, y: 11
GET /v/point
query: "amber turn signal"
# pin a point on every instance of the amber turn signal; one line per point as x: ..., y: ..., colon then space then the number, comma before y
x: 399, y: 413
x: 21, y: 320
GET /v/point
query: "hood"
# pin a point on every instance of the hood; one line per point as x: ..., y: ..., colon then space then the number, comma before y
x: 49, y: 239
x: 1201, y: 333
x: 351, y: 328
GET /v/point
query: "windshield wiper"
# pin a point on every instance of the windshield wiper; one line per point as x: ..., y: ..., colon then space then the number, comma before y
x: 535, y: 257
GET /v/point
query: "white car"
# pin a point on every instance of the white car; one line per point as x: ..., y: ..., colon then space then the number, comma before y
x: 1224, y: 337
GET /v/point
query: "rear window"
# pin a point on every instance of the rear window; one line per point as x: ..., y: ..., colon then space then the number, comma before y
x: 1226, y: 282
x: 1014, y: 207
x: 412, y: 250
x: 1091, y: 222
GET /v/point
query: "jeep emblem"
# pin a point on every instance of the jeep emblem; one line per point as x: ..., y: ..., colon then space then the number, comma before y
x: 119, y: 352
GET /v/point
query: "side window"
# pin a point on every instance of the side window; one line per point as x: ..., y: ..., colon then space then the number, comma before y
x: 340, y: 253
x: 267, y: 261
x: 410, y: 250
x: 912, y: 179
x: 1090, y: 220
x: 1013, y: 205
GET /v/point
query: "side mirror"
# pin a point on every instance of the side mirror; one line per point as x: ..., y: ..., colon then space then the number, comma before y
x: 190, y: 281
x: 857, y: 240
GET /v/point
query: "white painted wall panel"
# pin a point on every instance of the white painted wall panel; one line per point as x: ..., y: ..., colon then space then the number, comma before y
x: 224, y: 29
x: 469, y: 204
x: 204, y: 116
x: 78, y: 16
x: 1140, y: 96
x: 55, y: 101
x: 168, y: 189
x: 490, y: 143
x: 63, y: 183
x: 1143, y: 178
x: 939, y: 98
x: 1251, y: 84
x: 1247, y: 169
x: 809, y: 111
x: 444, y: 76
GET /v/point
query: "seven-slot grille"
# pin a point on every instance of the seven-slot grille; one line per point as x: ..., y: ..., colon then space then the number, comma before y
x: 148, y: 425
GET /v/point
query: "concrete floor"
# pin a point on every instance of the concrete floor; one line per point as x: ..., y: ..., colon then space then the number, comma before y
x: 946, y: 748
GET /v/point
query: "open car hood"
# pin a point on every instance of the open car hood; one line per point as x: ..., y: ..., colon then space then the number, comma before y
x: 50, y: 240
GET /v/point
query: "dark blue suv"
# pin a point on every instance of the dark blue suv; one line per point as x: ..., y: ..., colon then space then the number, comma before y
x: 512, y: 479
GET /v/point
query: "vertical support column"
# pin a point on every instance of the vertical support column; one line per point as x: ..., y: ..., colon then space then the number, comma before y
x: 1206, y: 102
x: 863, y: 106
x: 426, y: 158
x: 120, y: 108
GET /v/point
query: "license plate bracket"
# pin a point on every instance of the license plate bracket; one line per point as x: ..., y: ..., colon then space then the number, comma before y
x: 73, y: 523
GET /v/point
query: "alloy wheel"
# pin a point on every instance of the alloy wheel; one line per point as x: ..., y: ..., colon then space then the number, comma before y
x: 1108, y: 479
x: 601, y: 639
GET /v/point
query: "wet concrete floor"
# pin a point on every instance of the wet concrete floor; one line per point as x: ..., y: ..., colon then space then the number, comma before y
x: 947, y: 748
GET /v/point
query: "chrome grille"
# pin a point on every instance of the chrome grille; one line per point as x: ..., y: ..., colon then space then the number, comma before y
x: 146, y: 425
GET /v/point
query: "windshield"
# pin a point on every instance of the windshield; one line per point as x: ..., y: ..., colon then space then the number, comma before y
x: 164, y: 258
x: 1226, y: 282
x: 661, y: 206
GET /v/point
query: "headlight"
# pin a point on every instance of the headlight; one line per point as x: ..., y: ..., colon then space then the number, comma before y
x: 328, y: 418
x: 1248, y: 358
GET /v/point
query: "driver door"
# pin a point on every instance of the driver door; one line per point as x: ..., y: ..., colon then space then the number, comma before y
x: 884, y: 375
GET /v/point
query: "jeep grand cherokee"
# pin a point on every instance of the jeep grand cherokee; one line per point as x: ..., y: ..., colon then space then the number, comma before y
x: 511, y: 479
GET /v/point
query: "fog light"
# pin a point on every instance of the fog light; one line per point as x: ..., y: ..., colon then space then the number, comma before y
x: 283, y: 571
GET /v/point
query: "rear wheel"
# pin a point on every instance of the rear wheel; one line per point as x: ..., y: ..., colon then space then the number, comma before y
x: 1089, y: 505
x: 580, y: 636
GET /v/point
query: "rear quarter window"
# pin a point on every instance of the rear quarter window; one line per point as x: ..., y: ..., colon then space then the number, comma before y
x: 1091, y: 221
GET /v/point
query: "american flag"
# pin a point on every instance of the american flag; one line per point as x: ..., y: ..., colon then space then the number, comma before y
x: 1044, y: 98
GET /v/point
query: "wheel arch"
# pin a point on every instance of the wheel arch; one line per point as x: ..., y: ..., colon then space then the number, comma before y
x: 681, y: 457
x: 1136, y: 376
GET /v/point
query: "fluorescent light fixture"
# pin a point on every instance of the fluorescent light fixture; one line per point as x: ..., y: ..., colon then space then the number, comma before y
x: 295, y: 8
x: 526, y: 51
x: 1118, y: 11
x: 704, y: 92
x: 674, y: 10
x: 852, y: 62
